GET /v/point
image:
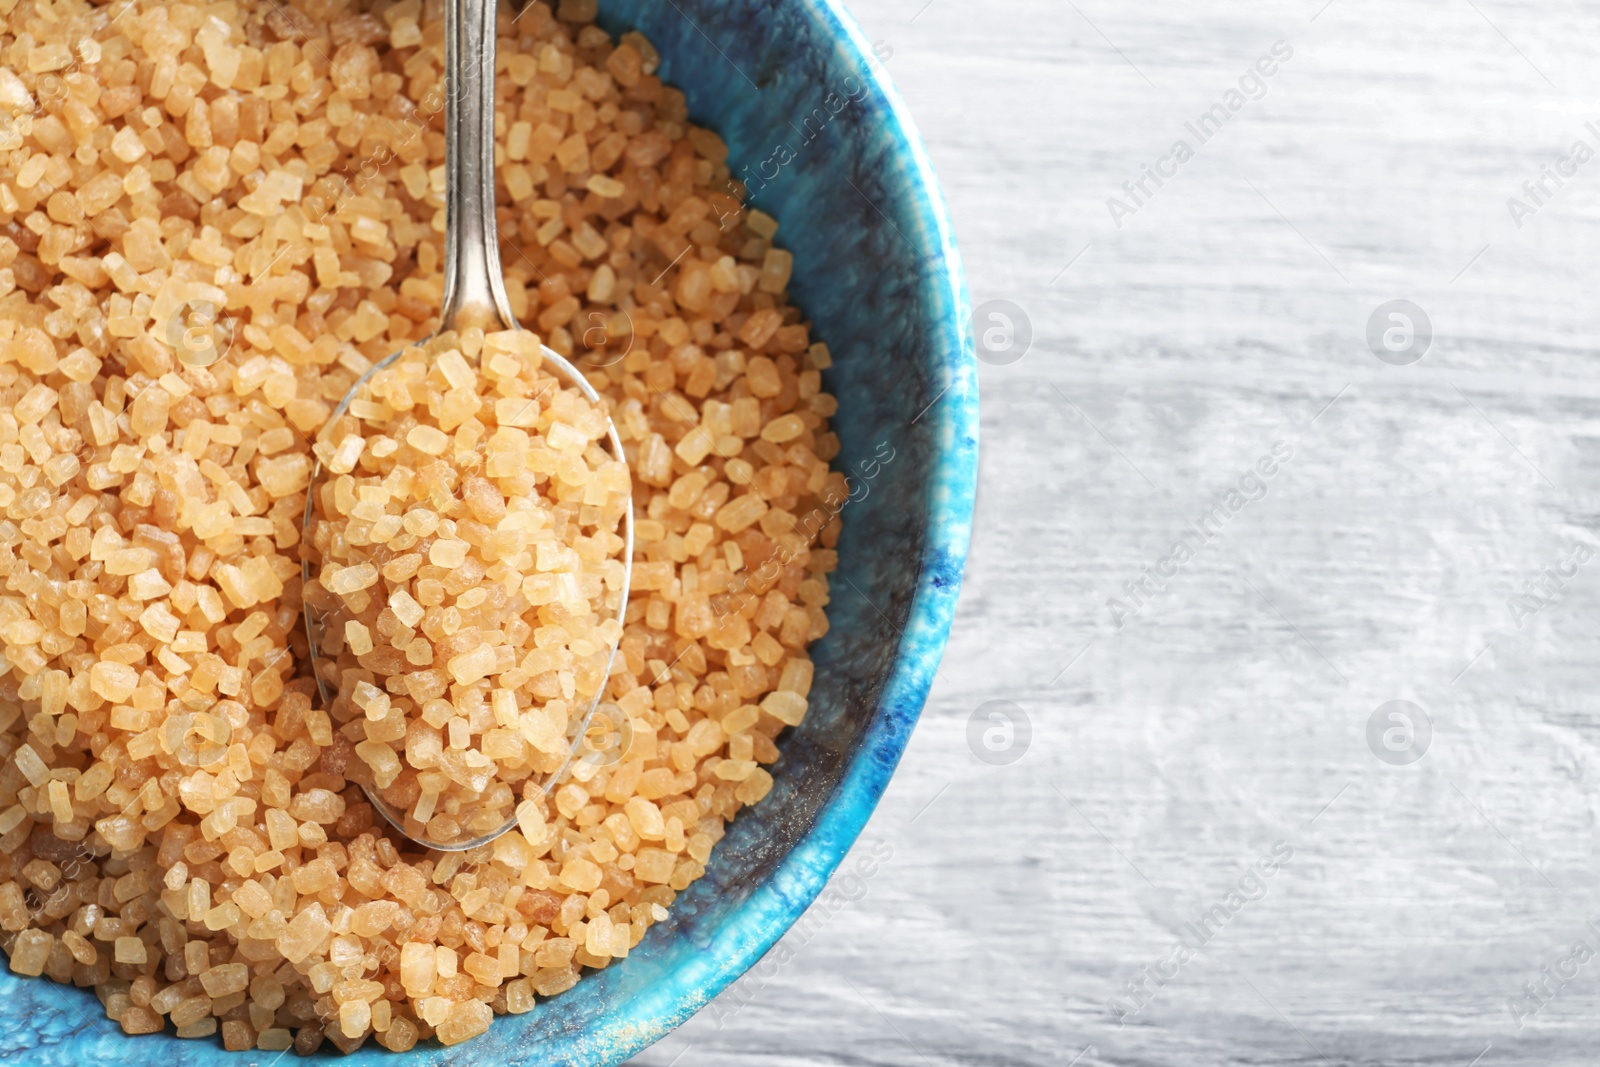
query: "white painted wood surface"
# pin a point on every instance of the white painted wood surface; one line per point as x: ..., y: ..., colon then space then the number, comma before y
x: 1230, y: 713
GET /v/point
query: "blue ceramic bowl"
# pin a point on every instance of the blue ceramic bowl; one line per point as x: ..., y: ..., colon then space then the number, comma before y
x: 828, y: 149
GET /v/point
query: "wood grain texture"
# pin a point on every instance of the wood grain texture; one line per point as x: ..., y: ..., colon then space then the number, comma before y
x: 999, y: 908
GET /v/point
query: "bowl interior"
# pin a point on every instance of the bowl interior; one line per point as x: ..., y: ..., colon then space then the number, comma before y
x: 825, y: 148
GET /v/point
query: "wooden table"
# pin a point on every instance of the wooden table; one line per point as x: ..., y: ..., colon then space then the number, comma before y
x: 1421, y: 543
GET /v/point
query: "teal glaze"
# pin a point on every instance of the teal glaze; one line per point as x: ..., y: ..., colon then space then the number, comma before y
x: 877, y: 272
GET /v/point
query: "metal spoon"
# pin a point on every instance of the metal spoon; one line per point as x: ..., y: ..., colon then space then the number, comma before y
x: 474, y: 295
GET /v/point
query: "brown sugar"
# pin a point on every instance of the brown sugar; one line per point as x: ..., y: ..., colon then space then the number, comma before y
x: 208, y: 231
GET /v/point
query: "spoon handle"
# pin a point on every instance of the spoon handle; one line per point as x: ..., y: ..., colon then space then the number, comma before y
x: 474, y: 288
